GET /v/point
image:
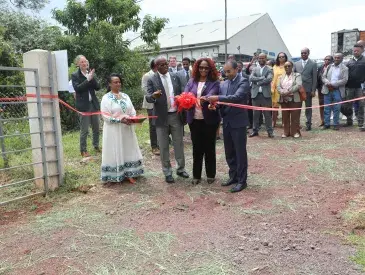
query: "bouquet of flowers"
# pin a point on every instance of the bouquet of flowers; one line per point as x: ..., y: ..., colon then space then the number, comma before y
x: 185, y: 101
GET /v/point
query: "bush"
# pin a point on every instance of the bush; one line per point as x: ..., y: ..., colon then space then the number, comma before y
x: 136, y: 95
x: 69, y: 118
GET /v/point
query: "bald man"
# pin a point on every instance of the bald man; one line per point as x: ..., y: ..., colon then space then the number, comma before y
x: 162, y: 87
x: 261, y: 78
x: 308, y: 70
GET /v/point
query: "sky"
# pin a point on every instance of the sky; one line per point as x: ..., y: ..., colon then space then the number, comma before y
x: 300, y: 23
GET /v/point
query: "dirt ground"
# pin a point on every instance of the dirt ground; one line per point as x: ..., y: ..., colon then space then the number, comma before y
x: 290, y: 220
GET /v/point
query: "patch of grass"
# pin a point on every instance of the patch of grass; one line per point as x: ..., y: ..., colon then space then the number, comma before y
x: 59, y: 218
x: 355, y: 217
x: 284, y: 203
x: 250, y: 211
x: 319, y: 163
x: 155, y: 253
x: 359, y: 242
x: 5, y: 267
x: 355, y: 213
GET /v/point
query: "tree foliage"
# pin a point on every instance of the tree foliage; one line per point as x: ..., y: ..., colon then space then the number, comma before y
x: 27, y: 33
x: 95, y: 28
x: 23, y: 4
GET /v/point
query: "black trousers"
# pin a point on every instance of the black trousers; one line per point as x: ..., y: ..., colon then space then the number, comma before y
x: 235, y: 140
x: 203, y: 137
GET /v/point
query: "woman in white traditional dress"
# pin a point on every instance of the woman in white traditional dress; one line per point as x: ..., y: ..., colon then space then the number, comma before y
x: 121, y: 158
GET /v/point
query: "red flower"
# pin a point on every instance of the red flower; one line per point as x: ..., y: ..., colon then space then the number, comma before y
x: 185, y: 101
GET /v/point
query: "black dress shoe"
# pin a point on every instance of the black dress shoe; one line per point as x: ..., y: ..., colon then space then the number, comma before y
x: 229, y: 182
x: 183, y: 174
x: 308, y: 128
x: 253, y: 134
x: 239, y: 187
x: 169, y: 179
x: 270, y: 135
x: 210, y: 180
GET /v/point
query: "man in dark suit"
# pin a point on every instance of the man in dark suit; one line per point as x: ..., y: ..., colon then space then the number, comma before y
x: 308, y: 70
x: 185, y: 73
x: 235, y: 120
x: 162, y: 87
x: 173, y: 68
x: 85, y: 84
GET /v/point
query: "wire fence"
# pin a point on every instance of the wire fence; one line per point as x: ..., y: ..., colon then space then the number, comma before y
x: 18, y: 161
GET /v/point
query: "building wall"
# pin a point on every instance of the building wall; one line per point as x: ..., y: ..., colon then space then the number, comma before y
x: 208, y: 51
x: 262, y: 34
x: 346, y: 43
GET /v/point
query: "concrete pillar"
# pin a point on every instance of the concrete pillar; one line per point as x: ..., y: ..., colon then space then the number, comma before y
x: 39, y: 59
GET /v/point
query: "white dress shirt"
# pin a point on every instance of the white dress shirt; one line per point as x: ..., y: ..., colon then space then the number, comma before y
x: 304, y: 62
x: 71, y: 89
x: 88, y: 79
x: 167, y: 79
x: 335, y: 76
x: 261, y: 70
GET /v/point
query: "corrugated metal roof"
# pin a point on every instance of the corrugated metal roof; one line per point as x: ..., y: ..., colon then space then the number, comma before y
x: 199, y: 33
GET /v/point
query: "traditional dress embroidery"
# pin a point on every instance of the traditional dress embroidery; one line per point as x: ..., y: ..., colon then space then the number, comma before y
x: 122, y: 157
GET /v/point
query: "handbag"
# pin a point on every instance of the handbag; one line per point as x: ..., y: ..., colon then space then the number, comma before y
x: 302, y: 93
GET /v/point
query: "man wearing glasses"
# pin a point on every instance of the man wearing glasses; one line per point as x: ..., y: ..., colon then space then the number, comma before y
x: 162, y: 87
x: 235, y: 120
x: 308, y: 70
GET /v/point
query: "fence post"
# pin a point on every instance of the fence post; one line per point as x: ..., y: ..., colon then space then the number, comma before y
x: 2, y: 144
x: 39, y: 59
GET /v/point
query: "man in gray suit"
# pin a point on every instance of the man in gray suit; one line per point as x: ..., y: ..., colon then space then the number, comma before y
x: 334, y: 79
x: 185, y: 73
x: 162, y: 87
x: 261, y: 78
x: 308, y: 70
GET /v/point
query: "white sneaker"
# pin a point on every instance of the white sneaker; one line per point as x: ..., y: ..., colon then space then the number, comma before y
x: 297, y: 135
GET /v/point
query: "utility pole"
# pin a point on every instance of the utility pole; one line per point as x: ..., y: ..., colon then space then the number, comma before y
x: 225, y: 31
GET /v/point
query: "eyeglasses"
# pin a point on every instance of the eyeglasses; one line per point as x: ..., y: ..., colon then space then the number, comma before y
x: 163, y: 64
x: 303, y: 53
x: 204, y: 68
x: 327, y: 59
x: 281, y: 56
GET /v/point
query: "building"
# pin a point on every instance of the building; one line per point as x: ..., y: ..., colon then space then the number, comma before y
x: 343, y: 41
x: 246, y: 35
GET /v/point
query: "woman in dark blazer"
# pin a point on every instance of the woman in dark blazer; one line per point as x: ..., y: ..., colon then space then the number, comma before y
x: 203, y: 123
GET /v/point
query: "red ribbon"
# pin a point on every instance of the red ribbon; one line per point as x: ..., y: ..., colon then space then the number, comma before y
x: 243, y: 106
x: 23, y: 98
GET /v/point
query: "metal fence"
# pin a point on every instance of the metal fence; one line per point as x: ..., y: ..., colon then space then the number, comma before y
x: 23, y: 143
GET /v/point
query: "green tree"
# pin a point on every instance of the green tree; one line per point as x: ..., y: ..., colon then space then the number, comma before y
x: 95, y: 28
x: 23, y: 4
x: 27, y: 33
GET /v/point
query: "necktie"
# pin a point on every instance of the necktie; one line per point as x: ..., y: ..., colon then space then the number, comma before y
x: 167, y: 90
x: 187, y: 75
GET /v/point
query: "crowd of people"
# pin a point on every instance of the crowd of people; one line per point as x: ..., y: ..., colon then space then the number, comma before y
x: 261, y: 84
